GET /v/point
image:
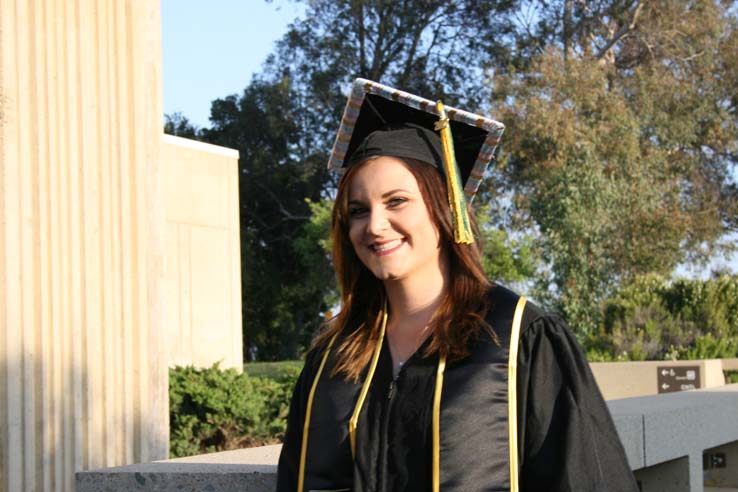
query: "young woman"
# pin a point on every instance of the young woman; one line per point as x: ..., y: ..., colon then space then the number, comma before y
x: 431, y: 377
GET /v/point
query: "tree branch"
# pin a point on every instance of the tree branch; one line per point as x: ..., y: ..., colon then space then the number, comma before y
x: 624, y: 31
x: 362, y: 35
x: 425, y: 21
x: 287, y: 214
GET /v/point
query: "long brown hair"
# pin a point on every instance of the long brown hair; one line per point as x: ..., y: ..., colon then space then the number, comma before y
x: 458, y: 318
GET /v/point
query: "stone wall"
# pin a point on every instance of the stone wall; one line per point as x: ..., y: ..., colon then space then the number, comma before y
x: 641, y: 378
x: 82, y: 372
x: 203, y: 262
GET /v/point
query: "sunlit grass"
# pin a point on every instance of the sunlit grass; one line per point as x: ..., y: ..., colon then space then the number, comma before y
x: 272, y: 370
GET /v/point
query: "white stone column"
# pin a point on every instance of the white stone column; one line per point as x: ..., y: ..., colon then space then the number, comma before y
x: 83, y: 379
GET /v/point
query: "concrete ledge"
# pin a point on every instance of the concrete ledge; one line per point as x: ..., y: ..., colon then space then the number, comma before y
x: 677, y: 428
x: 201, y: 146
x: 730, y: 364
x: 676, y: 423
x: 664, y: 437
x: 241, y: 470
x: 630, y: 430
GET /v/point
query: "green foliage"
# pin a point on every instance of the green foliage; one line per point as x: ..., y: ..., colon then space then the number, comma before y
x: 606, y: 148
x: 423, y: 46
x: 709, y: 347
x: 177, y: 124
x: 314, y: 248
x: 214, y: 409
x: 649, y: 332
x: 504, y: 258
x: 284, y: 275
x: 654, y: 319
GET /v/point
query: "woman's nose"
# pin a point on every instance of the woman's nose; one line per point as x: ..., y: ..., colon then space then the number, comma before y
x: 378, y: 222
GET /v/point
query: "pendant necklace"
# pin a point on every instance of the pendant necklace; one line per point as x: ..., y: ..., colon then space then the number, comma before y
x: 419, y: 339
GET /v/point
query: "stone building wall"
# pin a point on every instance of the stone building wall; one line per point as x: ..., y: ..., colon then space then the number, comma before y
x: 83, y: 380
x: 202, y: 303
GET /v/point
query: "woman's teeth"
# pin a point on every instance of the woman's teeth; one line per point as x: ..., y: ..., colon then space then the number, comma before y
x: 386, y: 246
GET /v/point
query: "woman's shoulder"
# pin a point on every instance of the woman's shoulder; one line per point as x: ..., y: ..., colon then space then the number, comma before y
x: 503, y: 304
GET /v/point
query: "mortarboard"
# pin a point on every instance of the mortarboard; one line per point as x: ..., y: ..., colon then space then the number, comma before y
x: 380, y: 120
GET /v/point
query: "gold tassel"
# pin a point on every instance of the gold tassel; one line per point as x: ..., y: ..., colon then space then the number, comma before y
x: 459, y: 214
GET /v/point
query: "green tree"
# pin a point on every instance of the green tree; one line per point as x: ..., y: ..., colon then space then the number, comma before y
x: 506, y: 259
x: 435, y: 47
x: 177, y: 124
x: 282, y: 305
x: 621, y: 142
x: 317, y: 231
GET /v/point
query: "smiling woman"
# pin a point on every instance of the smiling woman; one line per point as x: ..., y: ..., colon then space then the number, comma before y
x: 431, y: 377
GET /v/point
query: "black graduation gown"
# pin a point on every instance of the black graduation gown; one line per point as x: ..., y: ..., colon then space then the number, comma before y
x: 559, y: 423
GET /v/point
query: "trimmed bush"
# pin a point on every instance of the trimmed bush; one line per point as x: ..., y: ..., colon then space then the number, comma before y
x: 217, y: 409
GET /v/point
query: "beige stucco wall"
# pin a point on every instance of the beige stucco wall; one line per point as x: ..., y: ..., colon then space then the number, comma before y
x: 202, y: 264
x: 627, y: 379
x: 82, y: 372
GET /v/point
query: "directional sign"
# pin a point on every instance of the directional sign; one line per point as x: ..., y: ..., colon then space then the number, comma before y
x: 677, y: 378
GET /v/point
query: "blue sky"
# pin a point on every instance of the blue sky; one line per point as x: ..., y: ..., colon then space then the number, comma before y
x: 212, y: 49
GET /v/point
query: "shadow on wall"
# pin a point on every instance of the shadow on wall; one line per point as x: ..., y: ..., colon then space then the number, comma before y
x: 61, y: 422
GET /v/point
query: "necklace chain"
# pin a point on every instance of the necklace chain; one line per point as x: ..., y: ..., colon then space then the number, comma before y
x: 419, y: 339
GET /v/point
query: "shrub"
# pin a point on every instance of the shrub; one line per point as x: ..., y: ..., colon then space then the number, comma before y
x: 217, y: 409
x: 709, y: 347
x: 653, y: 319
x: 731, y: 377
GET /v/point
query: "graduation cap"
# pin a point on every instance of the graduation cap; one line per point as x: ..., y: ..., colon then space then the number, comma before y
x: 381, y: 120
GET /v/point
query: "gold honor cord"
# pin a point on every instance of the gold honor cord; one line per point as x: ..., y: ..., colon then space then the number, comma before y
x: 354, y: 421
x: 306, y: 424
x: 456, y: 200
x: 437, y: 424
x: 512, y: 393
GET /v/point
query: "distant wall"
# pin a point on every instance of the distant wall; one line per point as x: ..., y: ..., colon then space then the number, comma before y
x: 203, y: 262
x: 83, y: 380
x: 641, y: 378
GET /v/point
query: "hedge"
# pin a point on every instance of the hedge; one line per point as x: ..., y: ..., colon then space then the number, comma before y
x: 217, y: 409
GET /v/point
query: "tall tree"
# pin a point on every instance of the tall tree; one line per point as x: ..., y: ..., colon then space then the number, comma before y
x: 439, y: 48
x: 282, y: 301
x: 622, y: 141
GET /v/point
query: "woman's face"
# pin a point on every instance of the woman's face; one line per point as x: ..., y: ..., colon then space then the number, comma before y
x: 389, y: 225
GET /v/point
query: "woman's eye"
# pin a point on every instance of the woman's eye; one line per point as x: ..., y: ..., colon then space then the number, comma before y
x: 394, y: 202
x: 356, y: 211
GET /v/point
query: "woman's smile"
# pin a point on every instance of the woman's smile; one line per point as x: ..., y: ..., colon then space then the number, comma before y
x: 383, y: 248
